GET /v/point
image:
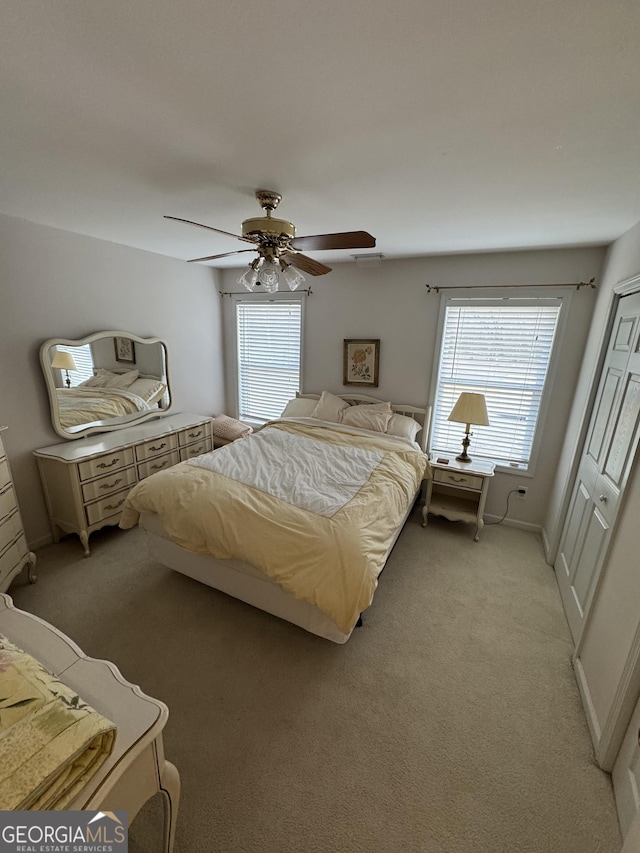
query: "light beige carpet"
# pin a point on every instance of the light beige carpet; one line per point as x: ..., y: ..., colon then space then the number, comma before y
x: 449, y: 723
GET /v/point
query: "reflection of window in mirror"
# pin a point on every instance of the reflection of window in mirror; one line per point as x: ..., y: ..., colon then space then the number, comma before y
x: 84, y: 362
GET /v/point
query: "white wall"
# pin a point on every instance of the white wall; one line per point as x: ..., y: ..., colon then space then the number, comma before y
x: 57, y: 284
x: 391, y: 303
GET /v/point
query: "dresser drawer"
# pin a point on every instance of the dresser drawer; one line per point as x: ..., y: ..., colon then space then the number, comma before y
x: 12, y: 555
x: 7, y: 501
x: 10, y: 529
x: 196, y: 449
x: 106, y: 507
x: 108, y: 484
x: 195, y: 433
x: 160, y: 463
x: 162, y: 444
x: 454, y: 478
x: 105, y: 464
x: 5, y: 476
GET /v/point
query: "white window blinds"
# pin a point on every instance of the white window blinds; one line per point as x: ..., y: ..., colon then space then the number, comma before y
x: 499, y: 348
x: 269, y: 335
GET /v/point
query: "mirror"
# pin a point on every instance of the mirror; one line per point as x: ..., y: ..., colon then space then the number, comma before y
x: 104, y: 382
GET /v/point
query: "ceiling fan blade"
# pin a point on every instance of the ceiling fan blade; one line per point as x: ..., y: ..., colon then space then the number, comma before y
x: 306, y: 264
x: 344, y: 240
x: 210, y: 228
x: 224, y: 255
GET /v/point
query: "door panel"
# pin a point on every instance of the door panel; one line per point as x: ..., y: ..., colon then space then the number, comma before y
x: 622, y: 445
x: 590, y: 553
x: 603, y: 414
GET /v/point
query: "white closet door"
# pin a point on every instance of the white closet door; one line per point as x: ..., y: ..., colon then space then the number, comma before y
x: 612, y: 438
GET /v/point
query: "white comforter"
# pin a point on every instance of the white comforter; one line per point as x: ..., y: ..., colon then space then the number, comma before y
x: 302, y: 471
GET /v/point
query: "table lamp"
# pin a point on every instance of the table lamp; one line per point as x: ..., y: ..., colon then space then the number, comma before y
x: 469, y: 409
x: 64, y: 361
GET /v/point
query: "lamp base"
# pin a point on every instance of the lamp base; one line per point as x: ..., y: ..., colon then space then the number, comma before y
x: 464, y: 456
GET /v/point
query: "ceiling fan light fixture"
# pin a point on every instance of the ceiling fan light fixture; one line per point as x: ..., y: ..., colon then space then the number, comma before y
x: 248, y: 279
x: 292, y: 276
x: 268, y: 276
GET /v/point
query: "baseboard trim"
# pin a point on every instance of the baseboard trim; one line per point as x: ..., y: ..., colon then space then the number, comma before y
x: 587, y: 704
x: 546, y: 546
x: 34, y: 544
x: 513, y: 522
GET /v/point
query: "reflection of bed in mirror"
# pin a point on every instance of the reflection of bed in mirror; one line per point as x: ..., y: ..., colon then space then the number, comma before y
x: 91, y: 391
x: 83, y: 405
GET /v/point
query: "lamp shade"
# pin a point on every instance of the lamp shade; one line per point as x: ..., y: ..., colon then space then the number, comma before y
x: 64, y: 361
x: 470, y: 409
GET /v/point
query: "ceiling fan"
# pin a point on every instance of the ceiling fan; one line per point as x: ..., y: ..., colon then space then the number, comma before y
x: 279, y: 250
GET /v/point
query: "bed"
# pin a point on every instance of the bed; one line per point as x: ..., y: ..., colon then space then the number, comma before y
x: 297, y: 519
x: 96, y: 400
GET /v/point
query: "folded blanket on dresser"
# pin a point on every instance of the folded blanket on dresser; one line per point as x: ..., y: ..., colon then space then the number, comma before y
x: 51, y: 742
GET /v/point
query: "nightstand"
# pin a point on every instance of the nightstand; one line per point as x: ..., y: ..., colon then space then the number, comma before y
x: 458, y: 491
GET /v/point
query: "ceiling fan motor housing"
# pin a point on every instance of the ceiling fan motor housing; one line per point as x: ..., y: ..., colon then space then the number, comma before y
x: 268, y: 225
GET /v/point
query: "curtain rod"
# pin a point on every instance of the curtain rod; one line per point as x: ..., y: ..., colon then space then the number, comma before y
x: 306, y: 290
x: 437, y: 288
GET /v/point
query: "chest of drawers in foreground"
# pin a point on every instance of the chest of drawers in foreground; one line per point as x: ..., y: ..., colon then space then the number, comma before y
x: 14, y: 551
x: 458, y: 491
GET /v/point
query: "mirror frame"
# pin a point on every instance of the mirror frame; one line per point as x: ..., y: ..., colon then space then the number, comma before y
x: 76, y: 432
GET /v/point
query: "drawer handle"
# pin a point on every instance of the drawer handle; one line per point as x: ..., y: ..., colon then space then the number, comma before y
x: 195, y: 434
x: 159, y: 465
x: 111, y: 485
x: 162, y: 446
x: 458, y: 479
x: 115, y: 506
x: 110, y: 464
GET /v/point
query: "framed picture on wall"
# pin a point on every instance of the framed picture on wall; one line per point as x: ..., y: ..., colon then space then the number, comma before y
x: 361, y: 361
x: 125, y: 350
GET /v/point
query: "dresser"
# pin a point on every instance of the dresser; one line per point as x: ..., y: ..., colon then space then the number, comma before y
x: 85, y: 482
x: 458, y: 491
x: 14, y: 552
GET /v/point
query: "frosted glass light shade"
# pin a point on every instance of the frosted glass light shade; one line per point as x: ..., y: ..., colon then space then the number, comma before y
x: 268, y: 277
x: 248, y: 279
x: 293, y: 277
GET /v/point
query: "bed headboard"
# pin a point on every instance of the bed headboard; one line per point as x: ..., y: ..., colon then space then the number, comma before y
x: 422, y: 414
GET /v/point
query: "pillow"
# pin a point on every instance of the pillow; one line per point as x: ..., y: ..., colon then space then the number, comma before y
x: 100, y: 380
x: 299, y: 407
x: 374, y: 416
x: 403, y: 426
x: 151, y: 390
x: 229, y: 428
x: 123, y: 380
x: 329, y: 407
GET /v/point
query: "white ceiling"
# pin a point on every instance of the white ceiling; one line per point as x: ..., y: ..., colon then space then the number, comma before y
x: 439, y: 126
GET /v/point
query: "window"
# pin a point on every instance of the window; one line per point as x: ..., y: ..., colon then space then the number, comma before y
x: 500, y: 348
x: 84, y: 362
x: 269, y: 344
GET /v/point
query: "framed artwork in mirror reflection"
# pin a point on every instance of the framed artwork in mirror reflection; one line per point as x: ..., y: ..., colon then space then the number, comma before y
x: 125, y: 350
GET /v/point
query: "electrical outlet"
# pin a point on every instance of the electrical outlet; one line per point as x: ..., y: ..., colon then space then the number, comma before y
x: 522, y: 492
